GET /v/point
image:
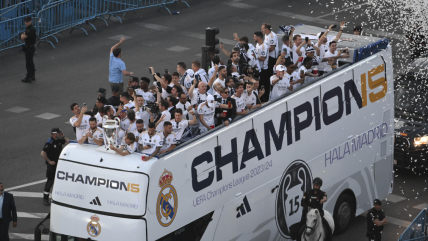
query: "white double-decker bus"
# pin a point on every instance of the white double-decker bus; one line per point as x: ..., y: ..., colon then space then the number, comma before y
x: 244, y: 181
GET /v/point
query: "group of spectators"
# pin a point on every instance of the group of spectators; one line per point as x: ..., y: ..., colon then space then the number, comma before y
x: 178, y: 106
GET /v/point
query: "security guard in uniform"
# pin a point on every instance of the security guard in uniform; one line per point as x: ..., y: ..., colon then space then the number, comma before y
x: 315, y: 198
x: 29, y: 48
x: 376, y: 219
x: 50, y: 154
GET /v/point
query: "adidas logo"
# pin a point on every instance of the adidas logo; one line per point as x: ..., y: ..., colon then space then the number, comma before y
x: 243, y: 208
x: 96, y: 201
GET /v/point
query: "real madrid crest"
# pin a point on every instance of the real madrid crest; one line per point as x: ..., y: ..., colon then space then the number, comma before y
x: 167, y: 203
x: 94, y: 227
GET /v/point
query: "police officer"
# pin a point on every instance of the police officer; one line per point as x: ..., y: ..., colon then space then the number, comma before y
x: 375, y: 221
x: 50, y: 154
x: 29, y: 48
x: 315, y: 198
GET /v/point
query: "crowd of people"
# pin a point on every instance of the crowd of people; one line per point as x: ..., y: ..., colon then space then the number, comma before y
x: 155, y: 118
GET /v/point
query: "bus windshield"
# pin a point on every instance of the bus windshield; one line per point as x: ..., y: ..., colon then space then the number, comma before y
x: 103, y: 189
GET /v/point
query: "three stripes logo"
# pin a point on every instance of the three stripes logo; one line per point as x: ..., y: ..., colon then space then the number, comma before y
x: 96, y: 201
x: 243, y: 208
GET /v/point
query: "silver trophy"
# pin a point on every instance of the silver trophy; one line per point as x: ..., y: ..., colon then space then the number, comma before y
x: 111, y: 132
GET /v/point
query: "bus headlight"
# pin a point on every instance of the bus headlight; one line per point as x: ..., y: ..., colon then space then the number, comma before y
x: 423, y: 140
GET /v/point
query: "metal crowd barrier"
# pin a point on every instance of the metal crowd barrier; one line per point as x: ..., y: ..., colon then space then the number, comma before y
x: 51, y: 17
x: 12, y: 14
x: 61, y: 15
x: 122, y: 6
x: 417, y: 229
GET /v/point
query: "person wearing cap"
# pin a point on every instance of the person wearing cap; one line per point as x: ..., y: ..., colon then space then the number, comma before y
x: 280, y: 85
x: 376, y: 220
x: 50, y: 154
x: 114, y: 100
x: 29, y: 36
x: 117, y: 67
x: 315, y: 198
x: 101, y: 92
x: 358, y: 30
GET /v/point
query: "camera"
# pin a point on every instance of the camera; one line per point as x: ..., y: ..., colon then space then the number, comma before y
x: 152, y: 107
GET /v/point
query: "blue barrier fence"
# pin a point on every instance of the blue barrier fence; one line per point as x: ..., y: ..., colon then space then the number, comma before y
x: 58, y: 16
x: 122, y: 6
x: 51, y: 17
x: 369, y: 50
x: 12, y: 14
x: 417, y: 229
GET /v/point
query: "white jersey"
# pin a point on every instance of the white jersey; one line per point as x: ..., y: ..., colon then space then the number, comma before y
x: 171, y: 139
x: 187, y: 80
x: 153, y: 141
x: 131, y: 148
x: 167, y: 117
x: 184, y: 107
x: 240, y: 102
x: 144, y: 115
x: 280, y: 88
x: 132, y: 126
x: 263, y: 51
x: 137, y: 134
x: 305, y: 70
x: 208, y: 114
x: 100, y: 120
x: 124, y: 123
x: 198, y: 98
x: 293, y: 77
x: 287, y: 51
x: 97, y: 134
x: 324, y: 48
x: 222, y: 82
x: 147, y: 96
x: 329, y: 54
x: 252, y: 55
x: 251, y: 99
x: 212, y: 70
x: 179, y: 127
x: 295, y: 55
x: 166, y: 94
x: 201, y: 75
x: 272, y: 39
x: 129, y: 106
x: 84, y: 125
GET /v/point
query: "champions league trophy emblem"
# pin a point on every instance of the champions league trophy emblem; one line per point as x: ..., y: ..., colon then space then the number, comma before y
x: 111, y: 132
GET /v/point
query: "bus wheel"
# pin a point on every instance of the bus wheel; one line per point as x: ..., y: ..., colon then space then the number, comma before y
x: 343, y: 213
